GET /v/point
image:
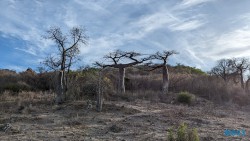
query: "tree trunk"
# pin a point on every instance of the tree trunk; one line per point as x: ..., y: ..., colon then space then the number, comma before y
x: 99, y: 97
x: 241, y: 80
x: 67, y: 76
x: 247, y: 85
x: 165, y: 80
x: 61, y: 80
x: 60, y: 89
x: 121, y: 85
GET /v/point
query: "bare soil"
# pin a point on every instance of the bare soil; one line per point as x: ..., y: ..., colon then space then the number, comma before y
x: 139, y: 120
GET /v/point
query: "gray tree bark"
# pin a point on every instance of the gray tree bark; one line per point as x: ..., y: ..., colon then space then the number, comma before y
x: 60, y: 89
x: 241, y: 79
x: 61, y: 82
x: 121, y: 84
x: 165, y: 80
x: 99, y: 97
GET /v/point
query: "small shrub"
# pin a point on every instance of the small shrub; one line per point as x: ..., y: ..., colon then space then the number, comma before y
x: 183, y: 134
x: 184, y: 97
x: 171, y: 135
x: 193, y: 135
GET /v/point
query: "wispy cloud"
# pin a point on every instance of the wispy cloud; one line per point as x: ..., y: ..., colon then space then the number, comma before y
x: 235, y: 39
x: 234, y: 44
x: 186, y: 26
x: 28, y: 50
x: 191, y: 3
x: 192, y: 27
x: 155, y: 21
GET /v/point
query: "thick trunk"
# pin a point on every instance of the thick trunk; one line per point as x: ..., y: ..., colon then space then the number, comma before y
x: 247, y: 83
x: 241, y: 80
x: 60, y: 89
x: 66, y: 77
x: 121, y: 85
x: 61, y: 83
x: 99, y: 97
x: 165, y: 80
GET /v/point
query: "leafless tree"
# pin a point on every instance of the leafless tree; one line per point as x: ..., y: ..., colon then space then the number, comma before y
x: 165, y: 75
x: 241, y: 65
x: 68, y: 49
x: 121, y: 60
x: 223, y: 69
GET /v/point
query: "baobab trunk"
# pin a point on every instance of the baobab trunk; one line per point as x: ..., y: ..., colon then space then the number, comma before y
x: 99, y: 93
x: 60, y: 88
x: 121, y: 85
x: 247, y: 83
x: 241, y: 80
x: 165, y: 80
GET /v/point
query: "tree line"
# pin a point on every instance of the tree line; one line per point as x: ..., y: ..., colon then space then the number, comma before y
x: 68, y: 49
x: 65, y: 81
x: 234, y: 70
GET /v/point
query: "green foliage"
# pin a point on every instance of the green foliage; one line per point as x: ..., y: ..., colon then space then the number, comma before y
x: 184, y: 97
x: 190, y: 70
x: 193, y: 135
x: 171, y: 135
x: 183, y: 134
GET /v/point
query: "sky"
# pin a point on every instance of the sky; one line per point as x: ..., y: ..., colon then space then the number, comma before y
x: 202, y: 31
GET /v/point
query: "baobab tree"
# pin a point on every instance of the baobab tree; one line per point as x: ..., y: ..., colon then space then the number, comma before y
x: 165, y: 75
x: 121, y: 60
x: 68, y: 48
x: 241, y: 65
x: 223, y: 69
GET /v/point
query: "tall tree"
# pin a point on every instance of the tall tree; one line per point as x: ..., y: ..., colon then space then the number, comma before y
x: 68, y: 48
x: 162, y: 56
x: 121, y: 60
x: 241, y: 65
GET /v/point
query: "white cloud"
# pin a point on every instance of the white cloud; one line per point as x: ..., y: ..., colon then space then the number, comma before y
x: 125, y: 24
x: 235, y: 43
x: 235, y: 39
x: 186, y: 26
x: 155, y: 21
x: 97, y: 6
x: 28, y: 50
x: 191, y: 3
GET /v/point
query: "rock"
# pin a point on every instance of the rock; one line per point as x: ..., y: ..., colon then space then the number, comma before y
x: 115, y: 129
x: 5, y: 127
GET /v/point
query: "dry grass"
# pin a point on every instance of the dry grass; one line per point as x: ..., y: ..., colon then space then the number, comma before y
x: 120, y: 120
x: 27, y: 96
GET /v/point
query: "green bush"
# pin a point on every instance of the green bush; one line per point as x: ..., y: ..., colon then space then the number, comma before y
x: 183, y: 134
x: 171, y: 135
x: 185, y: 97
x: 193, y: 135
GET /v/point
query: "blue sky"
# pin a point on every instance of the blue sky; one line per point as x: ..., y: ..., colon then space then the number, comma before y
x: 202, y: 31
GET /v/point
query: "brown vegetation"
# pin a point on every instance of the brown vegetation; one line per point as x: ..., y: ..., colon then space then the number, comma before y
x: 143, y: 112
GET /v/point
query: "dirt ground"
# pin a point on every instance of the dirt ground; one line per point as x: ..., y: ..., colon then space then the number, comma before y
x: 139, y: 120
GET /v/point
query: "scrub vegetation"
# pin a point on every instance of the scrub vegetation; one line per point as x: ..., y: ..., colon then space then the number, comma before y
x: 127, y: 96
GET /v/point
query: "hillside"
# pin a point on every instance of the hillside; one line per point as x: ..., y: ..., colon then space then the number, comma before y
x: 119, y: 120
x: 28, y: 110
